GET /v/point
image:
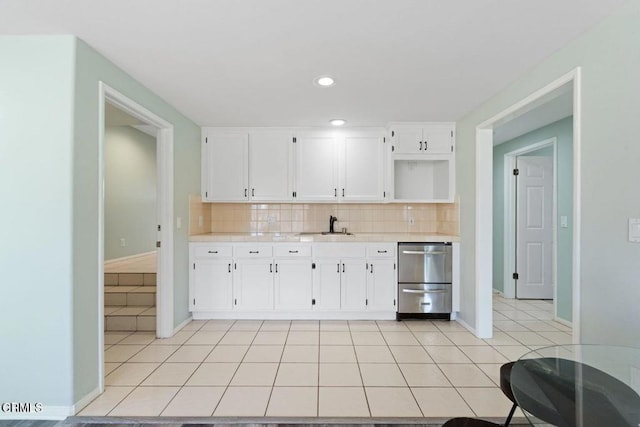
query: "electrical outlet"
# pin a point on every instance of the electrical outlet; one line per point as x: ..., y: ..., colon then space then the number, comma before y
x: 200, y: 221
x: 271, y: 219
x: 564, y: 221
x: 412, y: 220
x: 123, y: 242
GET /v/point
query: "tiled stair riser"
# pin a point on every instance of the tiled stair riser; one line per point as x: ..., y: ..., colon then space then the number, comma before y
x: 130, y: 301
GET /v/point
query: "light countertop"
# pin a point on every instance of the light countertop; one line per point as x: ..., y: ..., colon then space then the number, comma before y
x: 313, y: 237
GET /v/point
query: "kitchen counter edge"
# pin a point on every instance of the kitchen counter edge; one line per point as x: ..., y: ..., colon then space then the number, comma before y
x: 314, y: 238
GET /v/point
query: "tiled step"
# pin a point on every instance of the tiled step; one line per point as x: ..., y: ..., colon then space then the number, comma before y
x: 130, y: 279
x: 130, y: 295
x: 129, y: 318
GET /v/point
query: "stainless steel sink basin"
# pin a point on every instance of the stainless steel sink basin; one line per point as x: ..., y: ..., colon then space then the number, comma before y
x: 324, y: 233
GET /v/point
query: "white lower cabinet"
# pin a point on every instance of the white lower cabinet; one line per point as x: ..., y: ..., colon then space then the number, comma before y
x: 354, y: 285
x: 326, y: 285
x: 381, y: 285
x: 332, y: 280
x: 211, y: 285
x: 253, y: 284
x: 292, y: 284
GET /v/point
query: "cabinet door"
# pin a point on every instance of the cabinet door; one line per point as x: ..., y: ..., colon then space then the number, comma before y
x: 226, y: 166
x: 211, y: 287
x: 270, y: 165
x: 316, y: 167
x: 293, y: 284
x: 407, y: 140
x: 381, y: 285
x: 253, y: 284
x: 361, y: 176
x: 354, y: 285
x: 438, y: 139
x: 326, y: 285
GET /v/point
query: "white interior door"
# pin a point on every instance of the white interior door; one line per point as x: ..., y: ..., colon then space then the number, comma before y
x: 534, y: 227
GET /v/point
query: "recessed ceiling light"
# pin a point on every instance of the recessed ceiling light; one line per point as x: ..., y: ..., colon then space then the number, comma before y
x: 324, y: 81
x: 338, y: 122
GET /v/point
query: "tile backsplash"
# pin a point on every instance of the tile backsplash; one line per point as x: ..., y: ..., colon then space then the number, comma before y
x: 310, y: 217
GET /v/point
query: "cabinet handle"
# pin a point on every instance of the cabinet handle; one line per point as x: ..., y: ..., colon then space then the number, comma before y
x: 270, y: 268
x: 293, y: 252
x: 276, y: 268
x: 371, y: 268
x: 382, y: 252
x: 212, y: 252
x: 335, y: 192
x: 343, y: 192
x: 254, y: 252
x: 420, y: 145
x: 426, y: 145
x: 245, y: 192
x: 229, y: 267
x: 343, y: 267
x: 338, y: 267
x: 253, y: 192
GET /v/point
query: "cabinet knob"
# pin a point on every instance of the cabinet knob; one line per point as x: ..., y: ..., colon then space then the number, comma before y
x: 420, y: 145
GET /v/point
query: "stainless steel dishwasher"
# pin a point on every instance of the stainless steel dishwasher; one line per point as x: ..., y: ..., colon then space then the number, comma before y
x: 424, y: 280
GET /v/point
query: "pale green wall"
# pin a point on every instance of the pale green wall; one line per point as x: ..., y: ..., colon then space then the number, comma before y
x: 36, y: 142
x: 91, y: 67
x: 610, y: 128
x: 562, y: 130
x: 49, y: 185
x: 129, y: 192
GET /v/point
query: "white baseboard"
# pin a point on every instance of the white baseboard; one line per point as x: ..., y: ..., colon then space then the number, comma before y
x: 127, y: 258
x: 563, y: 322
x: 182, y: 325
x: 302, y: 315
x: 47, y: 413
x: 84, y: 401
x: 467, y: 326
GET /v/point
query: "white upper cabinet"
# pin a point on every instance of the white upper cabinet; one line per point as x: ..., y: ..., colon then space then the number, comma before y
x: 270, y: 165
x: 432, y: 138
x: 316, y: 167
x: 362, y: 167
x: 225, y: 166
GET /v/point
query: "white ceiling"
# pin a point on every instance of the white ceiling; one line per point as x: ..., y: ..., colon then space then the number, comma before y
x: 252, y: 62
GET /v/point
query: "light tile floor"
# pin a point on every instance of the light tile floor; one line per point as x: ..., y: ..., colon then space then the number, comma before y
x: 146, y: 263
x: 322, y: 368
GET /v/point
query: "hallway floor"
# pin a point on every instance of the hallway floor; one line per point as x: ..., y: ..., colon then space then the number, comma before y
x: 322, y: 368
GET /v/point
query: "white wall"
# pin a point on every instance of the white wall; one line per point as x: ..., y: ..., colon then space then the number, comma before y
x: 610, y: 265
x: 130, y: 192
x: 36, y: 139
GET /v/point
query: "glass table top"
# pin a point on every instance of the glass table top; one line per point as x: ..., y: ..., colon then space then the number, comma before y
x: 579, y: 385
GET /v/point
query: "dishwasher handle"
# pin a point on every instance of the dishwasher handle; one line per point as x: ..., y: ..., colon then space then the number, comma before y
x: 422, y: 291
x: 424, y: 252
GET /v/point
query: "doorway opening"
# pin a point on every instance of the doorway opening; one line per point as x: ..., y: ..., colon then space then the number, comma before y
x: 487, y: 134
x: 530, y: 229
x: 157, y: 148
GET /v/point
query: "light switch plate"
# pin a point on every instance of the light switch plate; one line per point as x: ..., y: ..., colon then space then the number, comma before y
x: 634, y: 230
x: 178, y: 222
x: 564, y: 221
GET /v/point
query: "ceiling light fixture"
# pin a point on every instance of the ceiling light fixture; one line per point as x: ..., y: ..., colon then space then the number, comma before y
x: 338, y: 122
x: 324, y: 81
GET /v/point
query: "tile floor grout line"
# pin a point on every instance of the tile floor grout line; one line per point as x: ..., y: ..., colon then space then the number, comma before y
x: 237, y: 367
x: 275, y: 377
x: 197, y: 367
x: 402, y: 373
x: 364, y: 389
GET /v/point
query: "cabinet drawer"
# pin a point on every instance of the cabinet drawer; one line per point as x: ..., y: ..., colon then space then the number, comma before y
x: 213, y: 252
x: 382, y: 250
x: 253, y: 251
x: 292, y: 251
x: 338, y: 250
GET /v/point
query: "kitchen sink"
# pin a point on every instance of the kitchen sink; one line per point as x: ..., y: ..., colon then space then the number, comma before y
x: 324, y: 233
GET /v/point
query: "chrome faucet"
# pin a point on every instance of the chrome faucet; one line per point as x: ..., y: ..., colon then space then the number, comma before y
x: 332, y: 220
